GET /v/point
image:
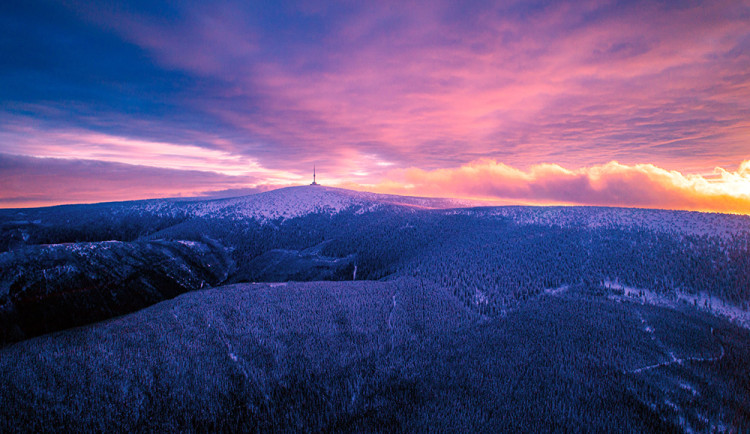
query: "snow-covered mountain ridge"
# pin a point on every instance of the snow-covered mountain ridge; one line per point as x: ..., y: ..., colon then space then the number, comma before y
x: 293, y: 202
x: 657, y: 220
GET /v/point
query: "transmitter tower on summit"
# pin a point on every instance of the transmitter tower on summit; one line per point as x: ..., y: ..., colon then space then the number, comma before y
x: 314, y: 183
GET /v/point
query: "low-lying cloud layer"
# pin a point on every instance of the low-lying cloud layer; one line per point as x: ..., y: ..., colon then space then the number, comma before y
x: 31, y: 182
x: 611, y: 184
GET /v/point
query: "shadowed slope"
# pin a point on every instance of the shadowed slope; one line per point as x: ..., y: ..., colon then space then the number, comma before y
x: 374, y: 356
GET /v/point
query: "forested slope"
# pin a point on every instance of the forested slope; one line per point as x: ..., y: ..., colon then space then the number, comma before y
x: 396, y: 355
x: 490, y: 258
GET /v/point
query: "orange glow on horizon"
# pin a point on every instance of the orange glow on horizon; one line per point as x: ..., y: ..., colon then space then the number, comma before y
x: 611, y: 184
x: 45, y: 182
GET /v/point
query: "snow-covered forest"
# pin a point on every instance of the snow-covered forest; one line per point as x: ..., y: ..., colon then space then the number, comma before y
x: 655, y: 303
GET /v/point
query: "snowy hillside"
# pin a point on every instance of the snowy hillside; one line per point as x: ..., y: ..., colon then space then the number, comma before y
x: 664, y: 221
x: 339, y: 290
x: 285, y: 203
x: 292, y: 202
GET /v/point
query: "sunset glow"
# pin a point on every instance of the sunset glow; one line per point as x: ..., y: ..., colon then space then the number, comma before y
x: 611, y: 184
x: 637, y: 104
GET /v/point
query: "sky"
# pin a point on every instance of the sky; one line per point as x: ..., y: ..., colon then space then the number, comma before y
x: 615, y: 103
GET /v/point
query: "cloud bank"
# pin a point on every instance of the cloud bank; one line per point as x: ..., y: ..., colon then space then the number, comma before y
x: 31, y: 182
x: 611, y: 184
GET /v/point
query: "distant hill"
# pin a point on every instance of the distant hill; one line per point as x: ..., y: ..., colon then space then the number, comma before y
x: 70, y: 265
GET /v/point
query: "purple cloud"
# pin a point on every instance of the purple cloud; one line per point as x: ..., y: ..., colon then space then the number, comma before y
x: 29, y: 181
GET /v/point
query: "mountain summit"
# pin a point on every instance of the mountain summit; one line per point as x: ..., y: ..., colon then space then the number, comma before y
x: 293, y: 202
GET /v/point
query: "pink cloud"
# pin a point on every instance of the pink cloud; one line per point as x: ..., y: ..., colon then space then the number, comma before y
x: 78, y: 144
x: 380, y: 86
x: 28, y: 182
x: 666, y: 99
x: 639, y: 82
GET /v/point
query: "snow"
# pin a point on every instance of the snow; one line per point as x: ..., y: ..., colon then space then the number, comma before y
x: 291, y: 202
x: 664, y: 221
x: 393, y: 309
x: 191, y: 244
x: 701, y: 301
x: 679, y: 361
x: 673, y: 359
x: 557, y: 291
x: 688, y: 388
x: 283, y: 203
x: 480, y: 298
x: 390, y: 320
x: 82, y: 248
x: 718, y: 307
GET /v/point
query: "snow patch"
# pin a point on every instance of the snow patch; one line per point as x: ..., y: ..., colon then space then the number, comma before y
x: 191, y: 244
x: 479, y: 297
x: 701, y: 301
x: 688, y: 388
x: 672, y: 405
x: 557, y: 291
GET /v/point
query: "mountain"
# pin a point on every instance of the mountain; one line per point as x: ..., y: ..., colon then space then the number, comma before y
x: 400, y: 355
x: 71, y: 265
x: 47, y: 288
x: 681, y: 223
x: 328, y: 309
x: 292, y: 202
